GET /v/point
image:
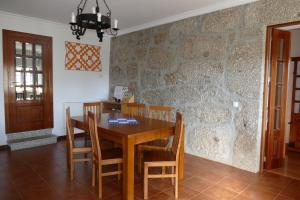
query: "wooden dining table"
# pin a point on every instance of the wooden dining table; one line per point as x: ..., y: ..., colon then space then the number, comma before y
x: 128, y: 136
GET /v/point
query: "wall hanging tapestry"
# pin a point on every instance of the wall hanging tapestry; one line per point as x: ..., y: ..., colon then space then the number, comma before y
x: 82, y: 57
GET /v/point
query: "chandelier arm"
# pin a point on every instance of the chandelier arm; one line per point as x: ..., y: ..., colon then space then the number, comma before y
x: 78, y: 7
x: 83, y: 5
x: 109, y: 11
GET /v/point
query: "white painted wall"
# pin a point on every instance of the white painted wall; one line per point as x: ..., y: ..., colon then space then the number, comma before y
x: 295, y: 52
x: 69, y: 87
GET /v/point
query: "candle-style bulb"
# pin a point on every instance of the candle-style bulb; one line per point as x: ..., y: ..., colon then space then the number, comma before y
x: 116, y: 24
x: 73, y: 18
x: 99, y: 17
x: 94, y: 10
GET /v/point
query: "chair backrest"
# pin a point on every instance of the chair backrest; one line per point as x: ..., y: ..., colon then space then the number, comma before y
x: 95, y: 107
x: 134, y: 109
x: 178, y: 135
x: 70, y: 129
x: 93, y: 130
x: 160, y: 112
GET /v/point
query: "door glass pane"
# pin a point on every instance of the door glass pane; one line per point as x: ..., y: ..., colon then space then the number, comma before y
x: 297, y: 82
x: 19, y: 79
x: 19, y: 63
x: 18, y: 47
x: 297, y: 95
x: 19, y: 93
x: 29, y: 78
x: 279, y: 84
x: 29, y: 93
x: 39, y: 79
x: 278, y: 95
x: 38, y: 64
x: 29, y: 64
x: 38, y: 93
x: 38, y: 50
x: 277, y: 119
x: 280, y: 50
x: 296, y: 107
x: 279, y: 77
x: 28, y: 49
x: 298, y: 69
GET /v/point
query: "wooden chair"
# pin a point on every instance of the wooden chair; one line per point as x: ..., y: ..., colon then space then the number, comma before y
x: 71, y: 149
x: 134, y: 109
x: 94, y: 107
x: 102, y: 157
x: 165, y: 159
x: 161, y: 113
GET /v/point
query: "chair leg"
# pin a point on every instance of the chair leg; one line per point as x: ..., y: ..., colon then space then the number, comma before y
x: 172, y: 172
x: 85, y: 144
x: 145, y: 181
x: 140, y: 161
x: 176, y: 183
x: 68, y: 158
x: 100, y: 182
x: 71, y: 170
x: 119, y: 169
x: 94, y: 175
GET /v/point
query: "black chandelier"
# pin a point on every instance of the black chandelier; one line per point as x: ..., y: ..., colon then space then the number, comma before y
x: 95, y: 20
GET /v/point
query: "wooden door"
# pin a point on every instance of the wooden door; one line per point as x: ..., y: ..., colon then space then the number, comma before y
x: 280, y: 48
x: 27, y: 62
x: 295, y: 115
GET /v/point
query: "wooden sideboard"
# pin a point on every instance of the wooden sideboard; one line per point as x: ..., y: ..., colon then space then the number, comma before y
x: 109, y: 107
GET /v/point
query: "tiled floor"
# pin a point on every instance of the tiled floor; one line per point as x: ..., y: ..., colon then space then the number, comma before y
x: 41, y: 173
x: 291, y: 166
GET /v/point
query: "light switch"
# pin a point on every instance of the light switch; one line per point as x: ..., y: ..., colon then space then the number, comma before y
x: 236, y: 104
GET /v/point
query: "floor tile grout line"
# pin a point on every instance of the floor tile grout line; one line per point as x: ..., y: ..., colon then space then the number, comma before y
x: 215, y: 184
x: 283, y: 189
x: 14, y: 183
x: 240, y: 193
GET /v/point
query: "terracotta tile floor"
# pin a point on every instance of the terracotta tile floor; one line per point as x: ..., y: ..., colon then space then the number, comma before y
x: 41, y: 173
x: 291, y: 166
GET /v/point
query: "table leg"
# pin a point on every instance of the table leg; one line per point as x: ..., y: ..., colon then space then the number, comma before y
x: 128, y: 169
x: 181, y: 158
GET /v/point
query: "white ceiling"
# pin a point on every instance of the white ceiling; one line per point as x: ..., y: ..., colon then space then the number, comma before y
x: 132, y: 14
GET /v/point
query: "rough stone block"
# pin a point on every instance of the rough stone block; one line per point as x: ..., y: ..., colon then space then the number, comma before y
x: 244, y: 69
x: 222, y: 21
x: 212, y: 142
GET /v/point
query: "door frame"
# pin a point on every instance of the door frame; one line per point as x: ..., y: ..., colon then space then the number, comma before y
x: 6, y: 75
x: 265, y: 90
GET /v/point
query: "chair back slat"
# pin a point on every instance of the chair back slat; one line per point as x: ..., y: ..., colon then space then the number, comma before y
x: 94, y: 107
x: 178, y: 135
x: 70, y: 129
x: 93, y: 130
x: 134, y: 109
x: 160, y: 112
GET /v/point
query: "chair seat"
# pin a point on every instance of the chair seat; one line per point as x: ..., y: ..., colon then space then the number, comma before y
x: 111, y: 153
x: 152, y: 156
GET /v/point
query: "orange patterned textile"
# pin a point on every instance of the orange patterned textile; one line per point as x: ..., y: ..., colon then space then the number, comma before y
x: 82, y: 57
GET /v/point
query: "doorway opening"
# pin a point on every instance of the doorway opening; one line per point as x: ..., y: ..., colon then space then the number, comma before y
x: 281, y: 110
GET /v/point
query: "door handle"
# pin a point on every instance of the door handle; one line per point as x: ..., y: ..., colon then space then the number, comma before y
x: 290, y: 123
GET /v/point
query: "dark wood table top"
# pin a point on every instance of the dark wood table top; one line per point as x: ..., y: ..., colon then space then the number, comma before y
x: 145, y: 125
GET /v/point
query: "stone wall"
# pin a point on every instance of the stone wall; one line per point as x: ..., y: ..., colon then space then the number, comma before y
x: 201, y: 65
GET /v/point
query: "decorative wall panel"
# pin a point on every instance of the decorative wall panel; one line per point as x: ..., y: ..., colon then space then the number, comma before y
x: 82, y: 57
